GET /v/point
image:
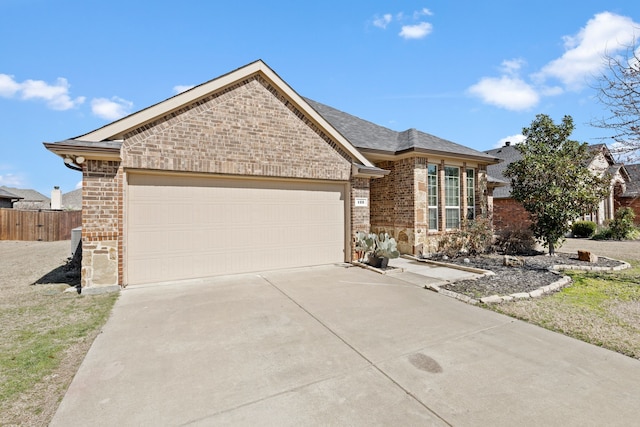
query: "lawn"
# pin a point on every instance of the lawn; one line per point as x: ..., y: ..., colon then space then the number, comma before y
x: 45, y: 332
x: 602, y: 308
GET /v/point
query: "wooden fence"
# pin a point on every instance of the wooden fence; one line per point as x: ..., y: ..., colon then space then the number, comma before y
x: 46, y: 226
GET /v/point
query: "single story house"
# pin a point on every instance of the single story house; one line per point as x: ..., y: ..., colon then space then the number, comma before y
x: 8, y: 199
x: 29, y: 199
x: 507, y: 213
x: 242, y: 174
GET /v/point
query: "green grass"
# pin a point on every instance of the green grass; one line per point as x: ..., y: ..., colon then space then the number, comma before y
x: 37, y: 335
x: 602, y: 308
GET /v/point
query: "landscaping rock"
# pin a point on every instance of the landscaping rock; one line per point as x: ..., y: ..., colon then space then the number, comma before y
x: 587, y: 256
x: 511, y: 261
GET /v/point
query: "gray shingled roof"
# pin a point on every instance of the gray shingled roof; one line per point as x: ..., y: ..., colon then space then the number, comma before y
x: 633, y: 186
x: 4, y: 194
x: 508, y: 154
x: 31, y: 199
x: 72, y: 200
x: 370, y: 136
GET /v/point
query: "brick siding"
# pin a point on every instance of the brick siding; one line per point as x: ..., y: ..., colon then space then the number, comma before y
x: 507, y: 213
x: 248, y: 128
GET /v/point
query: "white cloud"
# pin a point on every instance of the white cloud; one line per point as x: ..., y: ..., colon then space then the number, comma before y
x: 382, y: 22
x: 510, y: 93
x: 181, y: 88
x: 78, y: 185
x: 605, y: 33
x: 111, y: 109
x: 12, y: 180
x: 8, y: 86
x: 56, y: 95
x: 422, y: 12
x: 417, y: 31
x: 512, y: 66
x: 513, y: 139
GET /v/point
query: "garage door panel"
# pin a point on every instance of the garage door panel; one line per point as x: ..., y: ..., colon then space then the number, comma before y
x: 188, y: 227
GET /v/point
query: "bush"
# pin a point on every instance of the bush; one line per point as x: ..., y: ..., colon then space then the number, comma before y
x: 603, y: 234
x: 622, y: 223
x: 516, y: 241
x: 474, y: 239
x: 583, y: 228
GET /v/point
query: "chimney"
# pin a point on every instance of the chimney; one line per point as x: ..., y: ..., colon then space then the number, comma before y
x: 507, y: 143
x: 56, y: 199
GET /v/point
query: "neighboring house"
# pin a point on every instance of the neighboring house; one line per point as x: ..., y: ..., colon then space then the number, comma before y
x: 8, y: 199
x: 242, y: 174
x: 629, y: 196
x: 29, y: 199
x: 72, y: 201
x: 507, y: 213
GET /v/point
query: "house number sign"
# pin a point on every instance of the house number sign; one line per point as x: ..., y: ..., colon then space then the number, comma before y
x: 362, y: 202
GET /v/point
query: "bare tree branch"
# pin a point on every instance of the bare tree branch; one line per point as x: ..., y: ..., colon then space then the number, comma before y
x: 618, y: 89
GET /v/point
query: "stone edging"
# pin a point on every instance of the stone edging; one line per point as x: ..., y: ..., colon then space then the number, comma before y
x: 377, y: 270
x: 553, y: 287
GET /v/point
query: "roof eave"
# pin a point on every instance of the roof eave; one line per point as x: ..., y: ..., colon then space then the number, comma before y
x: 88, y: 151
x: 361, y: 171
x: 392, y: 155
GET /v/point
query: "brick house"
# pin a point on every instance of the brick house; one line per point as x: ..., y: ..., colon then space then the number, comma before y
x: 242, y: 174
x: 629, y: 195
x: 507, y: 213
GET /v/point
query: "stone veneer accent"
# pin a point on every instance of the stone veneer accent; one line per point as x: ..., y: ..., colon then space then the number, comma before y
x: 248, y: 128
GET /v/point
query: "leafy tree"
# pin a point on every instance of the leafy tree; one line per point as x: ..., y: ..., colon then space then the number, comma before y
x: 552, y: 180
x: 618, y: 89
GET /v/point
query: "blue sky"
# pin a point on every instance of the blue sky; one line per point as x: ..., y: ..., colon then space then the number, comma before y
x: 473, y: 72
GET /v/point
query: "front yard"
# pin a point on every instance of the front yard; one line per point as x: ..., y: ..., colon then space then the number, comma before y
x: 602, y: 308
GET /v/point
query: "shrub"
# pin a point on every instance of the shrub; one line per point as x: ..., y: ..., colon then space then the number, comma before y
x: 622, y: 223
x: 475, y: 238
x: 603, y: 233
x: 583, y: 228
x: 516, y: 241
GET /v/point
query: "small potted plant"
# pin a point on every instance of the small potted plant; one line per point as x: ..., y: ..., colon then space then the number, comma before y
x: 385, y: 248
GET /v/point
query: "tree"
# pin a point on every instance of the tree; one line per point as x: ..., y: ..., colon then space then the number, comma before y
x: 618, y: 89
x: 552, y: 180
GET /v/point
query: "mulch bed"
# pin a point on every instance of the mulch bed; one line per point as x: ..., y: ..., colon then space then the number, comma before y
x: 510, y: 280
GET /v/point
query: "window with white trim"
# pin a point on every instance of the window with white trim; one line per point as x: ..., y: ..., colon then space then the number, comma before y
x: 452, y: 197
x: 471, y: 194
x: 432, y: 196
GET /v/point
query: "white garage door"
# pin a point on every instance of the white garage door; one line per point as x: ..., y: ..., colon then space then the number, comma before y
x: 181, y: 227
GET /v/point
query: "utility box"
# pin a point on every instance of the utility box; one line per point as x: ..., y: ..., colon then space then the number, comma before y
x: 76, y: 240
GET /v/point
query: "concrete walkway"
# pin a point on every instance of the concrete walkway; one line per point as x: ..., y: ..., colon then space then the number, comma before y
x: 336, y: 346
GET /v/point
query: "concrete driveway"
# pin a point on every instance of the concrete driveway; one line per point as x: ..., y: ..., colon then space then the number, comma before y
x: 336, y: 346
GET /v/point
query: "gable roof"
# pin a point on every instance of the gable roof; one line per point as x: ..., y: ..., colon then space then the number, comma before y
x: 72, y: 200
x: 372, y: 138
x: 633, y: 185
x: 29, y: 199
x: 4, y: 194
x: 508, y: 154
x: 106, y: 141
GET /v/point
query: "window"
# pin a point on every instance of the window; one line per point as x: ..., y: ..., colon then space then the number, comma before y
x: 452, y: 197
x: 432, y: 196
x: 471, y: 194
